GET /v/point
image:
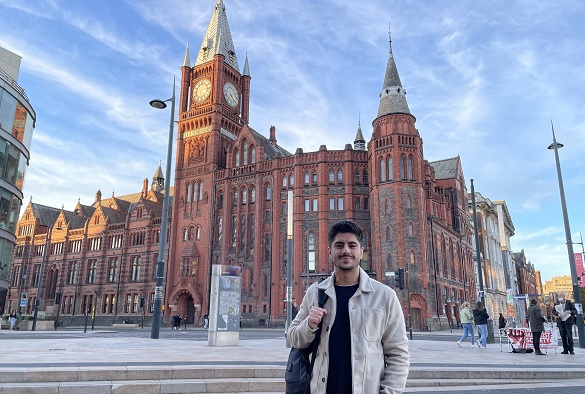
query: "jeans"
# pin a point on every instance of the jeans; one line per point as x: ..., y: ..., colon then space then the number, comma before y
x: 468, y: 329
x: 484, y: 333
x: 12, y: 321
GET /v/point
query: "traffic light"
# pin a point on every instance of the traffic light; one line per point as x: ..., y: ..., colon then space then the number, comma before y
x: 400, y: 278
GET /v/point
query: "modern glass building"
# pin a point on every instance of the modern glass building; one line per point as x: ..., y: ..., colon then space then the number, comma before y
x: 17, y: 121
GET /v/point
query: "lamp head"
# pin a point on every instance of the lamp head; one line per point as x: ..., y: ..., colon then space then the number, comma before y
x: 552, y: 146
x: 158, y: 104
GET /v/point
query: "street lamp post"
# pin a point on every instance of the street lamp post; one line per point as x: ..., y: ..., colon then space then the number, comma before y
x: 158, y: 290
x: 40, y: 286
x: 574, y: 278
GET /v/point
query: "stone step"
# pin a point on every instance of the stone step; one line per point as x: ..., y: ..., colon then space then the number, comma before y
x: 234, y: 379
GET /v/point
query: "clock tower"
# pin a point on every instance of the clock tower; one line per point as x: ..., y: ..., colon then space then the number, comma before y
x: 213, y: 109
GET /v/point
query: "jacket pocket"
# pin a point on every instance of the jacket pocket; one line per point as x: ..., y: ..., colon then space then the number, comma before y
x: 373, y: 324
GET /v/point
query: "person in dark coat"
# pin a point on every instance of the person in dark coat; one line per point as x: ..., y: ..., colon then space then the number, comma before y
x: 501, y: 322
x: 480, y: 317
x: 536, y: 321
x: 565, y: 313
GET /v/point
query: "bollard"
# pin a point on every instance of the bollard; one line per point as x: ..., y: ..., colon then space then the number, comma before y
x: 86, y: 316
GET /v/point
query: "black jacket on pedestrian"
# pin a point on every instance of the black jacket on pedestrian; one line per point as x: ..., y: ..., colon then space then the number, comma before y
x: 569, y: 306
x: 480, y: 317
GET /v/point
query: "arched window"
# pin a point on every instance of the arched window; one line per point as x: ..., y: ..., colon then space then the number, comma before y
x: 410, y: 167
x: 410, y: 230
x: 402, y: 169
x: 185, y: 234
x: 390, y: 176
x: 200, y: 190
x: 339, y: 176
x: 253, y: 155
x: 307, y: 177
x: 408, y: 202
x: 195, y: 191
x: 251, y: 231
x: 291, y: 181
x: 235, y: 196
x: 198, y: 233
x: 382, y: 170
x: 190, y: 235
x: 314, y: 177
x: 244, y: 195
x: 386, y: 206
x: 220, y: 199
x: 245, y: 152
x: 366, y: 178
x: 284, y: 179
x: 188, y: 192
x: 252, y: 195
x: 268, y: 192
x: 331, y: 176
x: 356, y: 175
x: 387, y: 234
x: 389, y: 263
x: 237, y: 157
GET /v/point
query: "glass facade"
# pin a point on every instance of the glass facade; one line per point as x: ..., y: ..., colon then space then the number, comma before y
x: 17, y: 121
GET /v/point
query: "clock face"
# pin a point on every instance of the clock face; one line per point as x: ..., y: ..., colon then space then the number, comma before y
x: 231, y: 94
x: 201, y: 90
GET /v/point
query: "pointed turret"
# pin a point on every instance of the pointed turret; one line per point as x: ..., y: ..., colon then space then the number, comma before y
x: 158, y: 180
x: 246, y: 66
x: 187, y: 59
x: 218, y: 39
x: 393, y: 95
x: 360, y: 142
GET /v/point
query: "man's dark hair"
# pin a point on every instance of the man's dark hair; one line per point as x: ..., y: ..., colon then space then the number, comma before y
x: 533, y: 301
x: 345, y: 226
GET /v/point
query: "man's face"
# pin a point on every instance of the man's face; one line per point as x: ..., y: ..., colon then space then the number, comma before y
x: 346, y: 252
x: 561, y: 295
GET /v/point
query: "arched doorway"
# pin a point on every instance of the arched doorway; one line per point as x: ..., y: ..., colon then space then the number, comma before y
x: 190, y: 310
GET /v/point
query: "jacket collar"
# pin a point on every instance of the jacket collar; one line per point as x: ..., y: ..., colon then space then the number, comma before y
x: 365, y: 284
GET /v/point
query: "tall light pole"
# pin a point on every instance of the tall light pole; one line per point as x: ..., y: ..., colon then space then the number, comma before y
x: 289, y: 264
x: 574, y: 278
x: 40, y: 286
x: 160, y: 264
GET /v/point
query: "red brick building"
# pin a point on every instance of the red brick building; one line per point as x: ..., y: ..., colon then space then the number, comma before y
x: 230, y: 202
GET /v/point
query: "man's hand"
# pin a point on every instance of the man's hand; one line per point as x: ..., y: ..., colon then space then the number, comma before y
x: 315, y: 316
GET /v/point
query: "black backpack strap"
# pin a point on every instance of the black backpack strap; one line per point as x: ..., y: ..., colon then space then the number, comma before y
x: 315, y: 344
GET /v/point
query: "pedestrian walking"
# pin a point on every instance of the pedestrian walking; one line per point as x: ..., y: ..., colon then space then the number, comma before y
x: 205, y: 320
x: 480, y: 316
x: 467, y: 322
x: 536, y: 321
x: 363, y: 347
x: 177, y: 322
x: 12, y: 318
x: 565, y: 313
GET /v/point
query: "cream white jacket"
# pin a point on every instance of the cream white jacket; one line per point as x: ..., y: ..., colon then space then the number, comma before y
x: 379, y: 345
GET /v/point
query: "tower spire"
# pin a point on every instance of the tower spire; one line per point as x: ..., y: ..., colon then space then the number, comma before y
x: 393, y: 95
x: 218, y: 39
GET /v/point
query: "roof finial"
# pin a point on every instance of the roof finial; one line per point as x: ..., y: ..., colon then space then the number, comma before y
x: 390, y: 37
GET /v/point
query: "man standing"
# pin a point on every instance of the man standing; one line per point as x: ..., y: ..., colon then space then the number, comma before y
x: 565, y: 313
x: 363, y: 347
x: 536, y: 325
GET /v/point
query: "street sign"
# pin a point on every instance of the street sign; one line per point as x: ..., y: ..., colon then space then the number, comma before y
x: 23, y: 299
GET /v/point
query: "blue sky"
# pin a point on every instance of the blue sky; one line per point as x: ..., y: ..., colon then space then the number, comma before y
x: 484, y: 80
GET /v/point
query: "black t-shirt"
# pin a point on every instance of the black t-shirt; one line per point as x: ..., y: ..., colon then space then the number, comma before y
x: 339, y: 380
